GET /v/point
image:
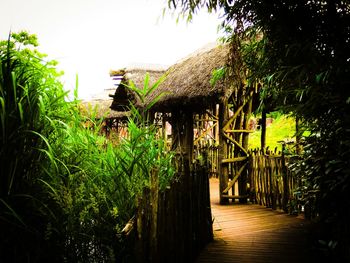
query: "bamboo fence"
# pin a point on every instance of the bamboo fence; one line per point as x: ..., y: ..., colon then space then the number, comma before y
x: 271, y: 182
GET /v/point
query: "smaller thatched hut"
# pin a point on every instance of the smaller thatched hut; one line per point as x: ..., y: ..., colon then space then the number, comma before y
x: 123, y: 95
x: 101, y: 109
x: 99, y: 106
x: 113, y: 122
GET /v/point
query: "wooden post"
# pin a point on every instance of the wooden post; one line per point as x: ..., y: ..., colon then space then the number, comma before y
x: 185, y: 122
x: 188, y: 133
x: 263, y: 130
x: 238, y: 125
x: 245, y: 137
x: 154, y: 253
x: 246, y: 123
x: 285, y: 181
x: 216, y: 160
x: 223, y: 151
x: 175, y: 131
x: 143, y: 223
x: 297, y: 136
x: 217, y: 129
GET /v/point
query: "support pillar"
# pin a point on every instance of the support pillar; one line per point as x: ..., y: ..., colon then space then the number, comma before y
x: 223, y: 150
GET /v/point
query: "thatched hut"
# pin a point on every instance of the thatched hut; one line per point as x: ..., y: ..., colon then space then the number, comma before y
x: 198, y: 108
x: 123, y: 95
x: 99, y: 108
x: 187, y: 83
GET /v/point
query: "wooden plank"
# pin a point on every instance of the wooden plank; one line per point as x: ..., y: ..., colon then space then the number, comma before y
x: 242, y: 131
x: 236, y: 143
x: 205, y: 119
x: 204, y: 133
x: 235, y: 115
x: 252, y: 233
x: 223, y: 149
x: 234, y: 180
x: 235, y: 196
x: 233, y: 160
x: 212, y: 115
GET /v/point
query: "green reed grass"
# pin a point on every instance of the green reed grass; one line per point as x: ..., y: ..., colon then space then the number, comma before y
x: 65, y: 191
x: 58, y: 186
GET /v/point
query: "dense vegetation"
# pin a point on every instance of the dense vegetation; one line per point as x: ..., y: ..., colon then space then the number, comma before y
x: 299, y: 52
x: 65, y: 191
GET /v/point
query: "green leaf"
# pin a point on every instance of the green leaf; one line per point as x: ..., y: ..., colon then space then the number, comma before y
x: 13, y: 213
x: 145, y: 84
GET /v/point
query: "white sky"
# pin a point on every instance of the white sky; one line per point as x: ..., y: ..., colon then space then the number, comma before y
x: 90, y: 37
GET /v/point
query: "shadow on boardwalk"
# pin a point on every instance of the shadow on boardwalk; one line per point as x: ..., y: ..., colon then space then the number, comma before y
x: 253, y: 233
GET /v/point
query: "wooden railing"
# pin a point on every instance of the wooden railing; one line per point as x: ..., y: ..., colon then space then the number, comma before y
x: 175, y: 224
x: 271, y: 182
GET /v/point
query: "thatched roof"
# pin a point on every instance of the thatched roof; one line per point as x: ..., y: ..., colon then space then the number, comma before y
x: 123, y: 95
x: 102, y: 108
x: 188, y: 82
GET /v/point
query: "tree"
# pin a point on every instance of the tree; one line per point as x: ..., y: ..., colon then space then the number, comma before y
x: 304, y: 66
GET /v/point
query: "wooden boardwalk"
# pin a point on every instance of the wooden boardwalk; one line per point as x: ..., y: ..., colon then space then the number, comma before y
x: 252, y: 234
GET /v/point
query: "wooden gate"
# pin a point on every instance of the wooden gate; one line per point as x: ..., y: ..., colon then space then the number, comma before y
x: 234, y: 116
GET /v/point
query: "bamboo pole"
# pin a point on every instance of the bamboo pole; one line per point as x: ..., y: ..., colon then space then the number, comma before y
x: 263, y: 130
x: 297, y: 136
x: 245, y: 136
x: 204, y: 133
x: 285, y: 181
x: 233, y: 160
x: 154, y: 216
x: 232, y: 182
x: 223, y: 151
x: 236, y: 143
x: 239, y: 131
x: 237, y: 112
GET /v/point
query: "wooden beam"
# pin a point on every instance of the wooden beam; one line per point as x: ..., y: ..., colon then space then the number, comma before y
x: 235, y: 196
x: 233, y: 160
x: 204, y: 133
x: 236, y: 143
x: 206, y: 120
x: 263, y: 130
x: 242, y: 182
x: 223, y: 150
x: 235, y: 115
x: 234, y: 180
x: 188, y: 133
x: 243, y: 131
x: 215, y: 118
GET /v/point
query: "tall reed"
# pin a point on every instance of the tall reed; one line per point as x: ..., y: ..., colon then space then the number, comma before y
x: 65, y: 191
x: 61, y: 197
